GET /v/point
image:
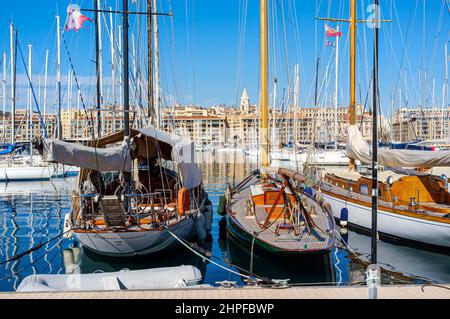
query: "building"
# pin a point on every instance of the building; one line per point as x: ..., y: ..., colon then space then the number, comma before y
x: 420, y: 124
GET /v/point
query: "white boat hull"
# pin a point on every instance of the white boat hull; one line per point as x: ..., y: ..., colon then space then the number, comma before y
x: 26, y: 173
x: 158, y: 278
x: 393, y: 224
x: 135, y: 243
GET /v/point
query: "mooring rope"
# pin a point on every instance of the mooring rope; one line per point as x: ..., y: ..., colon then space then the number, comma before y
x: 206, y: 258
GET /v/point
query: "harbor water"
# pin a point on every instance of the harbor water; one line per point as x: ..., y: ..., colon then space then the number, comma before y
x: 32, y: 213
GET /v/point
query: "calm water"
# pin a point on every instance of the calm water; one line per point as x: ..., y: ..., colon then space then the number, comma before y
x: 31, y: 213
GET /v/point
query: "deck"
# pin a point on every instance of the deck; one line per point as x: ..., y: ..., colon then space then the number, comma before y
x: 320, y: 238
x: 384, y: 292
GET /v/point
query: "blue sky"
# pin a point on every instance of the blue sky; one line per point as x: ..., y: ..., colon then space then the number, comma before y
x: 208, y: 56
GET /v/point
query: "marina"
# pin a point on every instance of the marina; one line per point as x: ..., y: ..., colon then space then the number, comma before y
x: 127, y: 179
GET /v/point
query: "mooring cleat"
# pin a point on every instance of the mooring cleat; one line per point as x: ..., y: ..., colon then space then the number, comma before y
x: 227, y: 284
x: 280, y: 283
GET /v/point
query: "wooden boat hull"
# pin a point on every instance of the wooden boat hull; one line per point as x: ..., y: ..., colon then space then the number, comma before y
x: 135, y: 243
x: 240, y: 234
x: 392, y: 224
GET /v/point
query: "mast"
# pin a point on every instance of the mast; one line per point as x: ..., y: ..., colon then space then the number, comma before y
x: 264, y: 83
x: 4, y: 94
x: 113, y: 68
x: 446, y: 77
x: 157, y: 98
x: 352, y: 165
x: 336, y: 93
x: 120, y: 31
x: 69, y: 102
x: 150, y: 58
x: 98, y: 67
x: 30, y: 104
x: 45, y: 83
x: 373, y: 255
x: 126, y: 94
x: 58, y: 33
x: 13, y: 82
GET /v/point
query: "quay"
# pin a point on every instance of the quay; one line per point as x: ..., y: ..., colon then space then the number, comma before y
x: 360, y: 292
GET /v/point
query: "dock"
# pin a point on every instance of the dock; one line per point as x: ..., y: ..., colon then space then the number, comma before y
x: 360, y: 292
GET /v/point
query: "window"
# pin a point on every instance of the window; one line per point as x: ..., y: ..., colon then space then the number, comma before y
x: 364, y: 189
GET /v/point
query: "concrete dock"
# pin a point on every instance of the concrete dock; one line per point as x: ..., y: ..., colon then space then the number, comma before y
x: 360, y: 292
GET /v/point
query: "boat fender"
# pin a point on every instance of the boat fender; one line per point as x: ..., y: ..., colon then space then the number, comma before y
x: 343, y: 220
x: 184, y: 201
x: 389, y: 180
x: 222, y: 204
x: 200, y: 227
x: 69, y: 260
x: 445, y: 180
x: 67, y: 226
x: 208, y: 213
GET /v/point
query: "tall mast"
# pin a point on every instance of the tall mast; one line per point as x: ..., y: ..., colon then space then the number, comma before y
x: 126, y: 93
x: 13, y: 84
x: 150, y: 58
x: 119, y: 29
x: 264, y: 84
x: 373, y: 255
x: 336, y: 93
x: 4, y: 93
x: 446, y: 78
x: 98, y: 67
x: 58, y: 34
x: 113, y: 68
x: 156, y: 66
x: 45, y: 83
x: 69, y: 103
x: 30, y: 104
x: 352, y: 70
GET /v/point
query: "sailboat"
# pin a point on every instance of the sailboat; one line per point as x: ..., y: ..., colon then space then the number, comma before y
x: 413, y: 206
x: 18, y: 162
x: 270, y: 208
x: 139, y: 191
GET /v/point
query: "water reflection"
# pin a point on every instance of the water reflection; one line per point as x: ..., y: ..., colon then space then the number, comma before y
x: 307, y: 269
x: 33, y: 212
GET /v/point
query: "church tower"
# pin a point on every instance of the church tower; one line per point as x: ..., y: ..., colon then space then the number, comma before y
x: 245, y: 102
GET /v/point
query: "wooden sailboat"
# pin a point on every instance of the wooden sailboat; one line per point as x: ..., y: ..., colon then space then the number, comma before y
x: 129, y: 200
x: 413, y: 206
x: 270, y: 208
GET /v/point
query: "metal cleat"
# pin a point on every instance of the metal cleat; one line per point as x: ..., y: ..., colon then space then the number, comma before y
x: 280, y: 283
x: 227, y: 284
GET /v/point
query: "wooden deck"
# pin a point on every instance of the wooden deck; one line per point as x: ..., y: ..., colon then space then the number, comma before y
x: 321, y: 238
x: 384, y: 292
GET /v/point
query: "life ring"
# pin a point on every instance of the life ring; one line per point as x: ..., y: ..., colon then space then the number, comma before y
x: 184, y: 201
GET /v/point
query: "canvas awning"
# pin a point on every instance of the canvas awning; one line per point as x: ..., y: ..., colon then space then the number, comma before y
x: 98, y: 159
x: 150, y: 142
x: 359, y: 149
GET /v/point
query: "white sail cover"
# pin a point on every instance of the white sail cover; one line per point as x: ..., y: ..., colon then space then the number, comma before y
x: 98, y: 159
x: 183, y: 154
x: 359, y: 149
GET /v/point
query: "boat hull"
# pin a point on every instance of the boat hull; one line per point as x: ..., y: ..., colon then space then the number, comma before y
x: 241, y: 235
x: 135, y: 243
x: 393, y: 225
x: 26, y: 173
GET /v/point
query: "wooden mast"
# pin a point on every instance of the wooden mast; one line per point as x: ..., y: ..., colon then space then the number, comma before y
x: 264, y: 84
x: 352, y: 165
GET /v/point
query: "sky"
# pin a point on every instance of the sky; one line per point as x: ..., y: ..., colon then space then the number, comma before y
x: 209, y: 51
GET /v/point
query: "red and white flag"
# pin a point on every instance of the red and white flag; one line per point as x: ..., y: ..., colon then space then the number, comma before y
x: 75, y: 19
x: 330, y: 32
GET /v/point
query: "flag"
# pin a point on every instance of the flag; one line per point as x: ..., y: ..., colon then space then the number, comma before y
x: 329, y: 44
x: 330, y: 32
x: 75, y: 19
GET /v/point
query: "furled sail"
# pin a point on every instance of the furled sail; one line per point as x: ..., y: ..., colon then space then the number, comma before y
x: 98, y: 159
x: 359, y: 149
